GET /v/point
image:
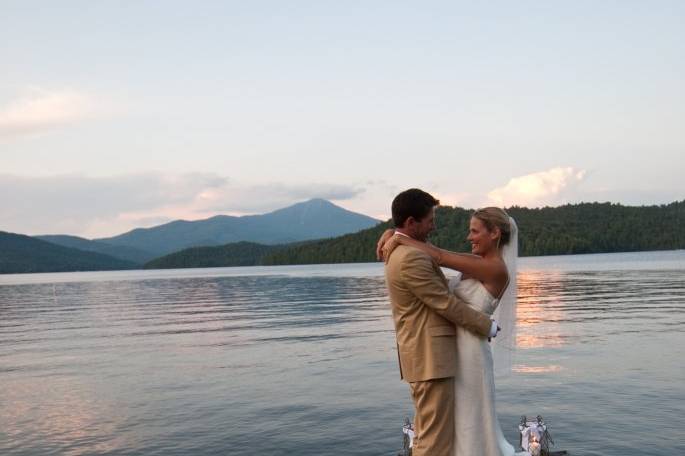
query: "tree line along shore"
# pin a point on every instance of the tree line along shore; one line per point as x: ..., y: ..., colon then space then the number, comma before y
x: 569, y: 229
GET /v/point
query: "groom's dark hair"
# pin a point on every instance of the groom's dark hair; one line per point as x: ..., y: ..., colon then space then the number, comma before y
x: 411, y: 203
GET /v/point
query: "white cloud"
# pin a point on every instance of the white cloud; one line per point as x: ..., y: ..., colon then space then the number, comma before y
x: 105, y: 206
x: 460, y: 199
x: 42, y: 110
x: 251, y: 199
x: 550, y: 187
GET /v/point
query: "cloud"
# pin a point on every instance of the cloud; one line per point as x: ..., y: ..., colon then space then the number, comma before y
x: 42, y: 110
x: 460, y: 199
x: 250, y: 199
x: 104, y: 206
x: 550, y: 187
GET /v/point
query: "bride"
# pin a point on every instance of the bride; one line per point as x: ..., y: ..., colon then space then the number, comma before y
x: 487, y: 283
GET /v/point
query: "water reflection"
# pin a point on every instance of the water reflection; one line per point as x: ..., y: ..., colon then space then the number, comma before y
x: 524, y: 369
x: 61, y: 414
x: 241, y: 364
x: 540, y: 310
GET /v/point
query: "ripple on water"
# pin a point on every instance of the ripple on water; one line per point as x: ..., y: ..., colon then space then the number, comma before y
x: 304, y: 362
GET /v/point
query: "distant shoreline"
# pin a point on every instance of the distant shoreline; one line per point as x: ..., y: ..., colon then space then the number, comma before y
x: 573, y: 229
x: 169, y: 273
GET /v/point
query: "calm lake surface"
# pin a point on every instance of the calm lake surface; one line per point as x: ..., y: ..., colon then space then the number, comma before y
x: 301, y: 359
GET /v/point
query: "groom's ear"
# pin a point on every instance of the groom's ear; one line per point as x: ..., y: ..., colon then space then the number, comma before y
x: 409, y: 223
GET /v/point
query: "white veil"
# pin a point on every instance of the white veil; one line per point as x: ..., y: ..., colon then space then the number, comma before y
x: 504, y: 345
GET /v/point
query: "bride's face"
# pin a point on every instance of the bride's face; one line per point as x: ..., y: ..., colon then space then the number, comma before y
x: 482, y: 240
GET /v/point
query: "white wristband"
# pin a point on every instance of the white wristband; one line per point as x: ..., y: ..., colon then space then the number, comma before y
x: 493, y: 329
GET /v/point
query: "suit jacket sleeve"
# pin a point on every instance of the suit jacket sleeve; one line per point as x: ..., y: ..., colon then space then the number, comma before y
x: 419, y: 275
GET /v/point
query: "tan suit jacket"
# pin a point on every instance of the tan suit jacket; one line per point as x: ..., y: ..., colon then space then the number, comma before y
x: 425, y: 314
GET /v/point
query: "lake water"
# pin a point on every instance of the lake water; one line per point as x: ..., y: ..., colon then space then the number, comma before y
x: 301, y: 359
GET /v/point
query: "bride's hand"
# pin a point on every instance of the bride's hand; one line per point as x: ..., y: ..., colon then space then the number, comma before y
x: 391, y: 245
x: 387, y: 234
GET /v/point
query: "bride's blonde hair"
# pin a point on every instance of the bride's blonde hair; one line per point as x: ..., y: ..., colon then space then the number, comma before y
x: 495, y: 217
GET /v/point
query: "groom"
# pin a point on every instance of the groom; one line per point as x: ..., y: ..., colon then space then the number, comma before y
x: 425, y: 314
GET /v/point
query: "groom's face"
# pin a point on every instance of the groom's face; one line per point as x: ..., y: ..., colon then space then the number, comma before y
x: 422, y: 228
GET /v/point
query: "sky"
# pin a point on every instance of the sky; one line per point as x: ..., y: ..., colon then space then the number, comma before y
x: 123, y: 114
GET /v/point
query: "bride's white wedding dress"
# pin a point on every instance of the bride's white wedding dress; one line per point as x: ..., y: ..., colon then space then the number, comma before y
x: 478, y: 432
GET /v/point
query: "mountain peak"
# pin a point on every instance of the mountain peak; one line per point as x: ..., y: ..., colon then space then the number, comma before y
x: 314, y: 203
x: 312, y: 219
x: 319, y: 201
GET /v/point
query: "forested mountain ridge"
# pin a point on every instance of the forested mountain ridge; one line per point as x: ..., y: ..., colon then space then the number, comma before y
x: 313, y: 219
x: 117, y: 251
x: 22, y: 254
x: 235, y: 254
x: 568, y: 229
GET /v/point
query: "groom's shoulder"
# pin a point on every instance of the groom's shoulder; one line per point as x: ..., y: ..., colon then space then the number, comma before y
x: 406, y: 254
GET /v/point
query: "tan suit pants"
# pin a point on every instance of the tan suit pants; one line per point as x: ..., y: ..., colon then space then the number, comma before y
x: 434, y: 417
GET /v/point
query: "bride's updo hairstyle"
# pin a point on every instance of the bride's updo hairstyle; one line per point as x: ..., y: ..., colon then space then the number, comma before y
x: 495, y: 217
